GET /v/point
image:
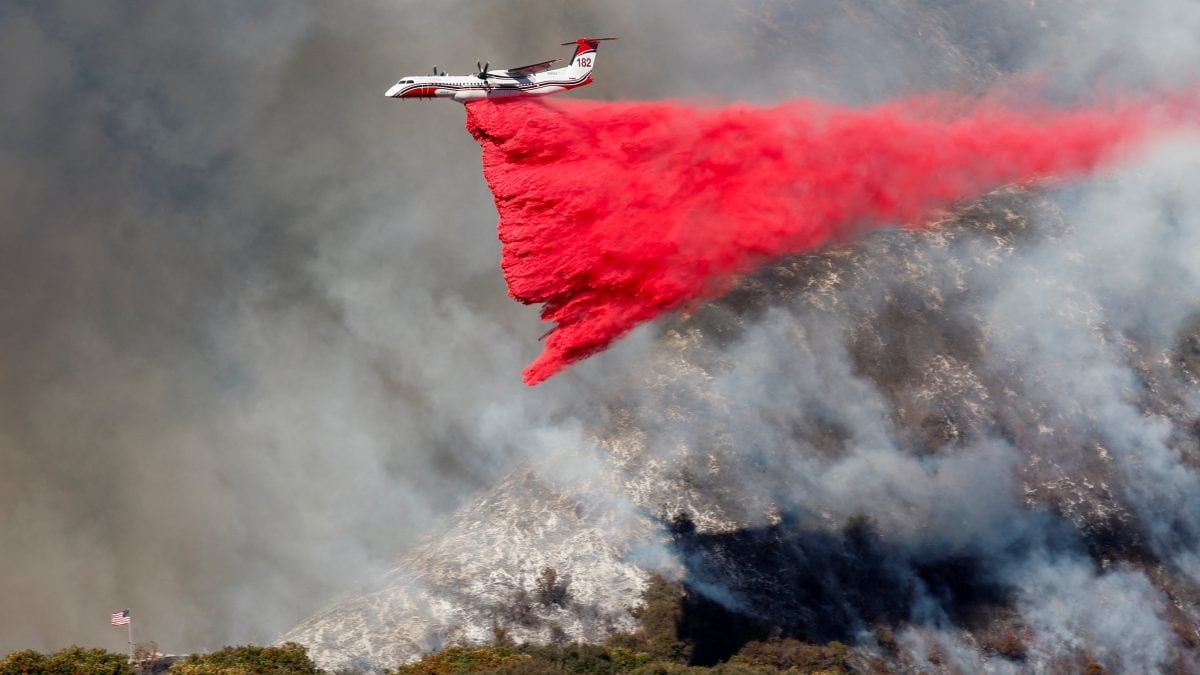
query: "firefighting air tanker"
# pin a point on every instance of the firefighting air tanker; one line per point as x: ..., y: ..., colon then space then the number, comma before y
x: 535, y: 80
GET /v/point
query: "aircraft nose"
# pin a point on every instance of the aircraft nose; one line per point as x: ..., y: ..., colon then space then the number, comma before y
x: 391, y: 93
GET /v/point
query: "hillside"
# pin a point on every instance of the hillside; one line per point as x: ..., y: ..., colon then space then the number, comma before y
x: 872, y: 435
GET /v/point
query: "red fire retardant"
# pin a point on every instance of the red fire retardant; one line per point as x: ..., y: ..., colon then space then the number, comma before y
x: 613, y: 213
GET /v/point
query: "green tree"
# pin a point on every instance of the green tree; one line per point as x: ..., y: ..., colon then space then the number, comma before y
x: 289, y: 658
x: 70, y: 661
x: 22, y: 662
x: 788, y: 654
x: 659, y: 619
x: 463, y: 660
x: 577, y: 658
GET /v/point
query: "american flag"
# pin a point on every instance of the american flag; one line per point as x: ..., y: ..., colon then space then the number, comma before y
x: 121, y: 618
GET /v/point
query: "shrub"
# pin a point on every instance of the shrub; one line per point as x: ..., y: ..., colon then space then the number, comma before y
x: 552, y: 590
x: 1008, y: 644
x: 462, y: 660
x: 659, y: 619
x: 70, y: 661
x: 786, y: 654
x: 500, y: 634
x: 581, y: 658
x: 286, y: 659
x: 519, y: 610
x: 22, y: 662
x: 886, y: 638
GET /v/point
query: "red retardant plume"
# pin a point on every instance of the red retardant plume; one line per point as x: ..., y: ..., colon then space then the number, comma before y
x: 613, y: 213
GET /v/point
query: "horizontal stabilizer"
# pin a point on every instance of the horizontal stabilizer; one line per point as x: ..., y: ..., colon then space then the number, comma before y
x: 574, y: 42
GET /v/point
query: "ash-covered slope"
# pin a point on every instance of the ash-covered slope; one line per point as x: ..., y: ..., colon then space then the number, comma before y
x: 980, y: 434
x: 486, y: 568
x: 969, y: 433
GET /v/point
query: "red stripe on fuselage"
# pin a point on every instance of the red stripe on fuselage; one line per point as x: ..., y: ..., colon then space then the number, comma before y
x: 419, y: 92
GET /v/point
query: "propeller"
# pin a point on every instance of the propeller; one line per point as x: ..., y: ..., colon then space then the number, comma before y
x: 483, y: 69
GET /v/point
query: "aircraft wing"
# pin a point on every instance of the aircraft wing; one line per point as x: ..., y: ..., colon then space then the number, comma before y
x: 535, y: 68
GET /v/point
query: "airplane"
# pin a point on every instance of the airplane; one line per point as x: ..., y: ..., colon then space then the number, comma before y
x: 534, y: 80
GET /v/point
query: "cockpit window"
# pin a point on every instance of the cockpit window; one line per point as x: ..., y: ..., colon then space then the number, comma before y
x: 406, y: 81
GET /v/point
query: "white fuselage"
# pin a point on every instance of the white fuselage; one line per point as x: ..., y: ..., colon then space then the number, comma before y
x: 465, y: 88
x: 499, y: 83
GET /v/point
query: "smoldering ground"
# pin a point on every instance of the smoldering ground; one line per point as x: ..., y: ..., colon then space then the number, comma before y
x: 256, y: 337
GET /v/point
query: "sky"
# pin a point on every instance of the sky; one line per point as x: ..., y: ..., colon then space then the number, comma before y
x: 256, y: 338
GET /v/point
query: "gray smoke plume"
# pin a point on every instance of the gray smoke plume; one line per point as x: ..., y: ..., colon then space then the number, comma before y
x: 225, y: 263
x: 257, y: 341
x: 1023, y: 407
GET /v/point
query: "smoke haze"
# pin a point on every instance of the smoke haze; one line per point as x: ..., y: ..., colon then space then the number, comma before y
x: 257, y: 340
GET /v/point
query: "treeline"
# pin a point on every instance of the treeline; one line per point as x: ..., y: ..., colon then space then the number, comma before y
x: 674, y: 635
x: 287, y: 659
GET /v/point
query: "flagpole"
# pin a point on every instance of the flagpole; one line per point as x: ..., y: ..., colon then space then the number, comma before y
x: 130, y: 627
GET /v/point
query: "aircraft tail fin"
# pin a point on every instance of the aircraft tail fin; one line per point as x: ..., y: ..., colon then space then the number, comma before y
x: 585, y: 52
